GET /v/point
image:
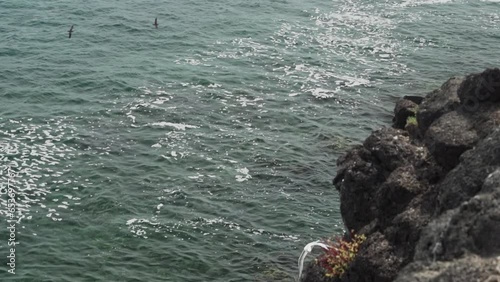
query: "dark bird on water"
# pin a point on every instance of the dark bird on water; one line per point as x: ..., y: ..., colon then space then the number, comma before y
x: 156, y: 23
x: 70, y: 31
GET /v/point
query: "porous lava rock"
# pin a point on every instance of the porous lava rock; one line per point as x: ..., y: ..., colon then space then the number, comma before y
x: 428, y: 201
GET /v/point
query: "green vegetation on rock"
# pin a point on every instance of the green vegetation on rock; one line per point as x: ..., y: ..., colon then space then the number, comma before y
x: 411, y: 121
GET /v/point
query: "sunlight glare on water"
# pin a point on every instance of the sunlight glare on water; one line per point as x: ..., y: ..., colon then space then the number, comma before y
x: 204, y: 150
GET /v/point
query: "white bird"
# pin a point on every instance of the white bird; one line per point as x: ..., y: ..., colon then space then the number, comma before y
x: 307, y: 249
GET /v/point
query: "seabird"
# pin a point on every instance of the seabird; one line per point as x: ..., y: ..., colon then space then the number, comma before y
x: 308, y: 249
x: 156, y: 23
x: 70, y: 31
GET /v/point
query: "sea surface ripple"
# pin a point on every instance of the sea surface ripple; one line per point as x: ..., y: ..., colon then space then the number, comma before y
x: 203, y: 150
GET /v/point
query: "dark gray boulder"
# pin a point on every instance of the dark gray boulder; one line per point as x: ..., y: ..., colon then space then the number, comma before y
x: 404, y: 108
x: 462, y: 243
x: 466, y: 269
x: 391, y: 148
x: 428, y: 200
x: 364, y: 168
x: 467, y: 179
x: 437, y: 103
x: 448, y: 137
x: 480, y: 88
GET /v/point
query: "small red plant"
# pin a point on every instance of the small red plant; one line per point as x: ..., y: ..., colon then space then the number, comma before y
x: 340, y: 253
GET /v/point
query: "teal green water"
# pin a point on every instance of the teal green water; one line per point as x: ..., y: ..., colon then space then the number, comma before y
x: 203, y: 150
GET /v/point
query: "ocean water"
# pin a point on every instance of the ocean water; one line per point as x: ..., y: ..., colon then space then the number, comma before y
x: 202, y: 150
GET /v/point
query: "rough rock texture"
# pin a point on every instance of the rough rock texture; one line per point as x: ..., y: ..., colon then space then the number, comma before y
x: 404, y: 109
x: 427, y: 200
x: 439, y: 102
x: 448, y: 137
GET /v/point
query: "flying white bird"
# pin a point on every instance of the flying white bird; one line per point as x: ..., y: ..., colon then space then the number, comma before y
x: 307, y: 249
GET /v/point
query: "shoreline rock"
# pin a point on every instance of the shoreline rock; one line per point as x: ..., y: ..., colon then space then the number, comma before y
x: 427, y: 194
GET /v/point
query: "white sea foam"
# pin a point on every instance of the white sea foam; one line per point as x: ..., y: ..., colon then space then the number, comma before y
x: 245, y: 174
x: 426, y: 2
x: 130, y: 221
x: 179, y: 126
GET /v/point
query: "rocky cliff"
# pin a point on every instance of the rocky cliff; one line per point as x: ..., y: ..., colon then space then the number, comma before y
x: 426, y: 191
